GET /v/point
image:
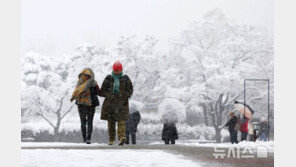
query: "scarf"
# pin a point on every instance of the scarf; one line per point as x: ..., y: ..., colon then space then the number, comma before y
x: 82, y: 92
x: 116, y: 83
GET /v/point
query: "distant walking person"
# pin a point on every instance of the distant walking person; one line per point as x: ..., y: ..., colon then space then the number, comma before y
x: 244, y: 128
x: 132, y: 124
x: 85, y: 94
x: 263, y: 129
x: 169, y: 131
x: 117, y: 89
x: 231, y: 124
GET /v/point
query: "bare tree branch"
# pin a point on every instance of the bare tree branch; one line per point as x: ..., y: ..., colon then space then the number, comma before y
x: 42, y: 115
x: 61, y: 104
x: 208, y: 98
x: 258, y: 98
x: 69, y: 109
x: 235, y: 97
x: 225, y: 101
x: 237, y: 60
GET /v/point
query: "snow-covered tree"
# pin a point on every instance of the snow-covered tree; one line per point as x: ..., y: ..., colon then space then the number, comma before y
x: 204, y: 70
x: 44, y: 90
x: 142, y: 63
x: 220, y: 54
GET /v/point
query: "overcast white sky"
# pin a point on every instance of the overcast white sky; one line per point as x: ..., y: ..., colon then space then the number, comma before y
x: 55, y: 27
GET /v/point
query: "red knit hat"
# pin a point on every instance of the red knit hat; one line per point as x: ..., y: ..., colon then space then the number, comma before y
x: 117, y: 66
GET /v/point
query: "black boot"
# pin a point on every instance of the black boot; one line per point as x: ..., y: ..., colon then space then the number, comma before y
x: 173, y: 141
x: 88, y: 139
x: 166, y: 141
x: 133, y: 138
x: 127, y: 138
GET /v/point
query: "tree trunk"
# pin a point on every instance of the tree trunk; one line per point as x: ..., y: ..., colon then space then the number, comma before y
x: 56, y: 129
x: 217, y: 110
x: 218, y: 135
x: 56, y: 133
x: 204, y: 108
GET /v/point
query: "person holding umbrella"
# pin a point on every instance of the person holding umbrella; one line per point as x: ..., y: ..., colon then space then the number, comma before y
x: 247, y: 113
x: 171, y: 111
x: 117, y: 89
x: 169, y: 131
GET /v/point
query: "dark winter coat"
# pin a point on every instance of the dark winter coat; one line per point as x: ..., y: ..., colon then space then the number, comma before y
x: 116, y: 106
x: 132, y: 122
x: 169, y: 132
x: 263, y: 128
x: 94, y: 92
x: 231, y: 123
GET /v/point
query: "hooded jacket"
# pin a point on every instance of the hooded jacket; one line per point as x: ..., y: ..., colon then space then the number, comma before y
x: 86, y: 92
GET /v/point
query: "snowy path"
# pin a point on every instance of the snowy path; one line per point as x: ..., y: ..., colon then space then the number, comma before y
x: 60, y: 154
x: 102, y: 158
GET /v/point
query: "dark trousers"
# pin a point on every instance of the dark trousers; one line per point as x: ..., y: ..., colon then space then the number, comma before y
x: 244, y: 136
x: 133, y: 135
x: 233, y: 136
x: 86, y: 114
x: 167, y: 141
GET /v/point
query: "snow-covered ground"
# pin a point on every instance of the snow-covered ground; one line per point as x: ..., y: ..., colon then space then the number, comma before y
x: 61, y: 144
x: 37, y: 154
x: 269, y: 145
x: 102, y: 158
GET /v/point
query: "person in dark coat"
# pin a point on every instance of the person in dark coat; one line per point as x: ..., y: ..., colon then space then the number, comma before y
x: 117, y: 89
x: 132, y: 124
x: 231, y: 127
x: 263, y: 129
x: 85, y: 94
x: 244, y: 128
x: 169, y: 131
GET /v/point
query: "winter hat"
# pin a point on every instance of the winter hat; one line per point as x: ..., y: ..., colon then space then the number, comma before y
x: 117, y: 66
